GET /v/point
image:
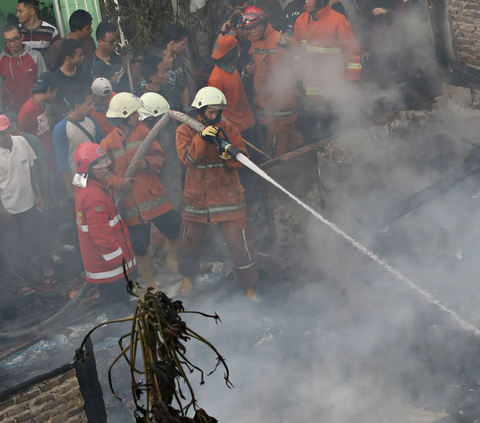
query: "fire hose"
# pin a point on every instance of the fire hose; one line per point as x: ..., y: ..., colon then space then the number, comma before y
x: 222, y: 144
x: 61, y: 313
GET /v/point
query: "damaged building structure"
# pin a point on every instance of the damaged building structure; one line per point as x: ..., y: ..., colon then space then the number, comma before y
x: 406, y: 184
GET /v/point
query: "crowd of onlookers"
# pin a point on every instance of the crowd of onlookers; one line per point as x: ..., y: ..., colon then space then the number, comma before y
x: 55, y: 93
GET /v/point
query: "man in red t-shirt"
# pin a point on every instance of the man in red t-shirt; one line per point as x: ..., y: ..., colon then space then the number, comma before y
x: 33, y: 117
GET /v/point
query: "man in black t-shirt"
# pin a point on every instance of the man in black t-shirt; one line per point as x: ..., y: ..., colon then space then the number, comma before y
x: 175, y: 91
x: 106, y: 52
x: 70, y: 73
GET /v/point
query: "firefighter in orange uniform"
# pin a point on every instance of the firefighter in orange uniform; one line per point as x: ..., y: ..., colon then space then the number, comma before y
x: 213, y: 193
x: 328, y: 49
x: 226, y: 78
x: 275, y: 85
x: 103, y: 236
x: 146, y: 201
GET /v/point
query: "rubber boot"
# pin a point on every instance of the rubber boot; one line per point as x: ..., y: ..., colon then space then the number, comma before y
x: 185, y: 287
x: 252, y: 295
x: 145, y: 267
x: 172, y: 254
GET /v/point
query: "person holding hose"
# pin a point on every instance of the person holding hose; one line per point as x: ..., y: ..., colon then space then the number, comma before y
x: 104, y: 242
x: 213, y: 193
x: 146, y: 201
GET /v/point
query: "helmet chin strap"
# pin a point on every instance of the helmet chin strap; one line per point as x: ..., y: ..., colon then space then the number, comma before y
x: 207, y: 121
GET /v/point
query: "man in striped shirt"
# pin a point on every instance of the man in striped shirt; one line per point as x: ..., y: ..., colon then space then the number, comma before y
x: 39, y: 35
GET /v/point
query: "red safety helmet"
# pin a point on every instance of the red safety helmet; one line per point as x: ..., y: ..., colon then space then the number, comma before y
x: 86, y: 154
x: 252, y: 17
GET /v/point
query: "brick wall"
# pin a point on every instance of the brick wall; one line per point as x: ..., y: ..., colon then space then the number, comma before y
x: 465, y: 21
x: 58, y: 397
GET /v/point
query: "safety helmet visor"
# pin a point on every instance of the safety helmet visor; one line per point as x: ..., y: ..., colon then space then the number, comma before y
x: 101, y: 163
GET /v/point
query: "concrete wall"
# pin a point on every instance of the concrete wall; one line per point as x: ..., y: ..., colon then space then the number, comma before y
x: 465, y: 22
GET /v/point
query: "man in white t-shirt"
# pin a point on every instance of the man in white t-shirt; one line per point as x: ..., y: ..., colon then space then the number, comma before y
x: 21, y: 204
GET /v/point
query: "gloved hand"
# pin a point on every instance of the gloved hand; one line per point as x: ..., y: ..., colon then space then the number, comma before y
x: 224, y: 153
x: 209, y: 133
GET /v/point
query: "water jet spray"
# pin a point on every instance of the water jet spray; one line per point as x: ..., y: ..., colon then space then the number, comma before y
x: 239, y: 156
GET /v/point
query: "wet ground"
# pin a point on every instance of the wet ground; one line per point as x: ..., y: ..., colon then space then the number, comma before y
x: 335, y: 339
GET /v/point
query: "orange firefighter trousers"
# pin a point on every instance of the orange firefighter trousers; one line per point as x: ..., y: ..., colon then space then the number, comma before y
x: 239, y: 242
x: 281, y: 138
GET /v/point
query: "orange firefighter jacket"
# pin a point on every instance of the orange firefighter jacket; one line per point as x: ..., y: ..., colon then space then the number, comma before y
x: 147, y: 199
x: 238, y: 111
x: 275, y: 87
x: 213, y: 192
x: 328, y: 49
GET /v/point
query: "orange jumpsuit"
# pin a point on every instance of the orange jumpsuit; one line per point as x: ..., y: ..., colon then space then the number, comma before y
x: 328, y: 49
x: 238, y: 111
x: 148, y: 199
x: 213, y: 196
x: 275, y: 91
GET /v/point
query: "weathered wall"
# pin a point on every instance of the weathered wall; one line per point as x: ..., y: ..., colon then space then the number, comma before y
x: 465, y: 22
x: 58, y: 397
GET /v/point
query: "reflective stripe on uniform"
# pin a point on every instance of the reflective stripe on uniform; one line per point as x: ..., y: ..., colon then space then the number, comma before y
x: 111, y: 273
x: 229, y: 208
x: 189, y: 157
x: 203, y: 211
x: 195, y: 210
x: 245, y: 244
x: 211, y: 165
x: 144, y: 207
x: 118, y: 153
x: 248, y: 266
x: 83, y: 228
x: 323, y: 50
x: 311, y: 90
x: 134, y: 144
x: 204, y: 165
x: 277, y: 113
x: 304, y: 43
x: 274, y: 145
x: 111, y: 223
x: 354, y: 66
x: 113, y: 255
x: 114, y: 221
x: 264, y: 51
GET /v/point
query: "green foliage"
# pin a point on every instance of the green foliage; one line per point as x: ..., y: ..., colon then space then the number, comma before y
x: 143, y: 21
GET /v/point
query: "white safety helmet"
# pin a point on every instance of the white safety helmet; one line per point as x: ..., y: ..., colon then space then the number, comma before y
x: 122, y: 105
x: 211, y: 97
x: 154, y: 105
